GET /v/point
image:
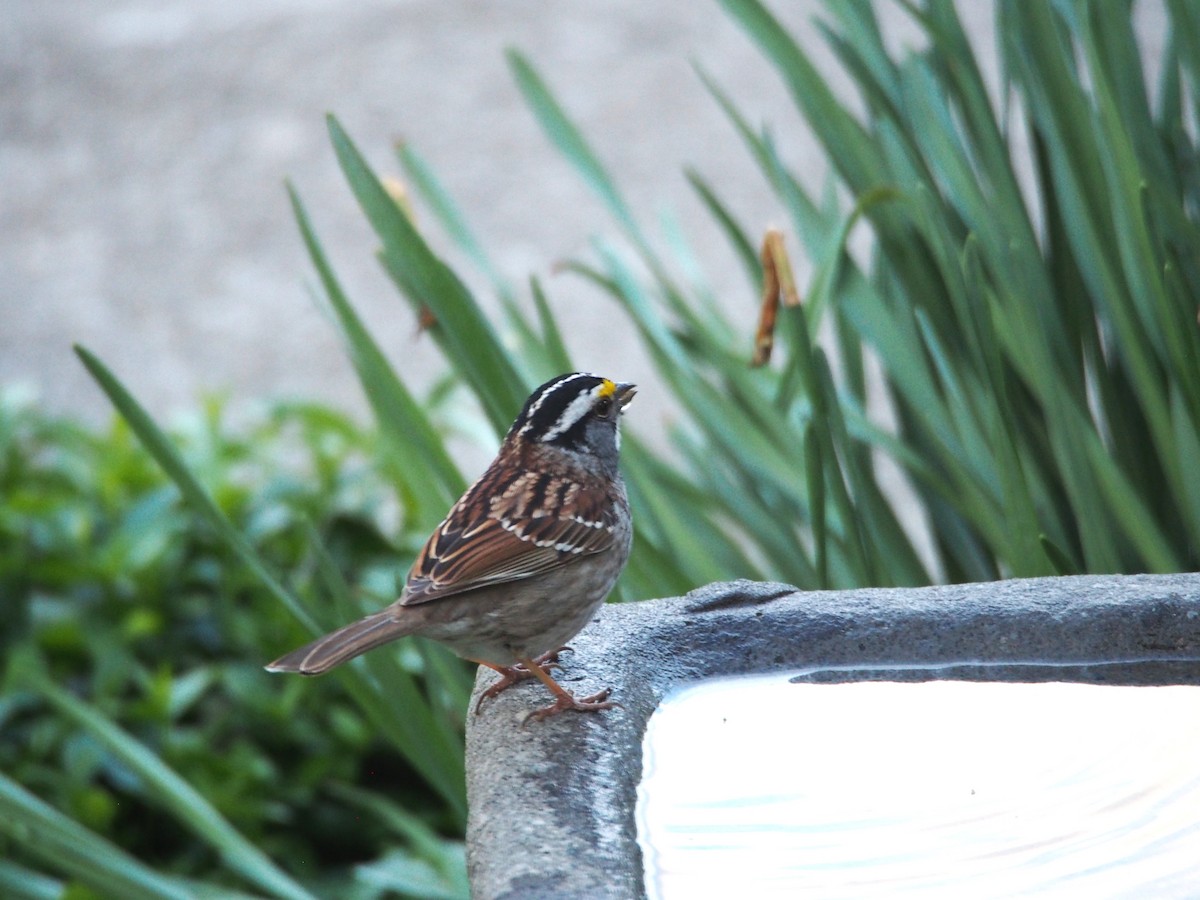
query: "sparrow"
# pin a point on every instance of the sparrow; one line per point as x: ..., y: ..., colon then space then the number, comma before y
x: 525, y: 557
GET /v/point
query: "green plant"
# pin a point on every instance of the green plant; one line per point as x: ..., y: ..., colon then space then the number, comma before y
x: 144, y: 751
x: 1038, y: 346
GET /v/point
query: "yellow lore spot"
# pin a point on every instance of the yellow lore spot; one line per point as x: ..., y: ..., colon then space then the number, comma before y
x: 608, y: 388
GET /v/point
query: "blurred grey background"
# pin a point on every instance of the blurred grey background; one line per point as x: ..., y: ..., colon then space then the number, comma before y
x: 144, y: 145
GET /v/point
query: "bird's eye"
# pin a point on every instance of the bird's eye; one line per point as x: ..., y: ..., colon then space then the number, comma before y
x: 603, y: 407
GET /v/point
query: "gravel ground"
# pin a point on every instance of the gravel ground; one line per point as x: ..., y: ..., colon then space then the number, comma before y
x: 144, y: 146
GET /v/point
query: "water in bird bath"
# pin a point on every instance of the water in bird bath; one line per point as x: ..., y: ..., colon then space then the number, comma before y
x: 760, y: 787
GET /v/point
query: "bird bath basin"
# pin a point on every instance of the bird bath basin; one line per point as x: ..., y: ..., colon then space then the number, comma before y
x: 765, y: 787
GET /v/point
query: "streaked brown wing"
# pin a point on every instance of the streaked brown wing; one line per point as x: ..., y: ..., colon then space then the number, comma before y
x: 512, y: 540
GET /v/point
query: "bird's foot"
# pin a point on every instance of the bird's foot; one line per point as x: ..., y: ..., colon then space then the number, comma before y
x: 510, y: 675
x: 566, y: 701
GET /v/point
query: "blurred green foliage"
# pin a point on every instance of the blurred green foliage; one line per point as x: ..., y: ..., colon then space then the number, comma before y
x: 121, y: 596
x: 1028, y: 316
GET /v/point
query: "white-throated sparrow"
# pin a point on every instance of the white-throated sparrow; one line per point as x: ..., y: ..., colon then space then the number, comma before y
x: 525, y: 557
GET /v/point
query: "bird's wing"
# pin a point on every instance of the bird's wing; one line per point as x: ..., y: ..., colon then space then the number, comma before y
x: 505, y: 539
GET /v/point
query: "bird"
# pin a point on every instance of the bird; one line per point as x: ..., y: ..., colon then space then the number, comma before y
x: 525, y: 557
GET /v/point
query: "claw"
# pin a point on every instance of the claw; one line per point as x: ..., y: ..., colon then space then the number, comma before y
x: 540, y: 668
x: 510, y: 675
x: 565, y: 701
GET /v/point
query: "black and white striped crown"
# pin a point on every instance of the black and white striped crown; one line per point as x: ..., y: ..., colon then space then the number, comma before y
x: 558, y: 411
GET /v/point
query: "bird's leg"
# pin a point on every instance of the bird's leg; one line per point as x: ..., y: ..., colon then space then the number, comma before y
x: 563, y: 699
x: 510, y: 675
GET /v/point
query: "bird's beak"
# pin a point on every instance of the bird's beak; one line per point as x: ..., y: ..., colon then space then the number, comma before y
x: 623, y: 395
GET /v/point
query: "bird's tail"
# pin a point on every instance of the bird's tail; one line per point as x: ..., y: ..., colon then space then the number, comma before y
x: 338, y: 646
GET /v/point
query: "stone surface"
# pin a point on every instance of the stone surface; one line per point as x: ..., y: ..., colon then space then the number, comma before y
x: 552, y: 804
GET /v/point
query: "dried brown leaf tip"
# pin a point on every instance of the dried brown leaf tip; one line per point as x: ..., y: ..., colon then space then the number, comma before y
x: 778, y: 284
x: 425, y: 319
x: 398, y: 191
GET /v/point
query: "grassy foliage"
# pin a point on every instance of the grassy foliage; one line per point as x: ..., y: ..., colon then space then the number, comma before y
x: 141, y: 744
x: 1034, y: 334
